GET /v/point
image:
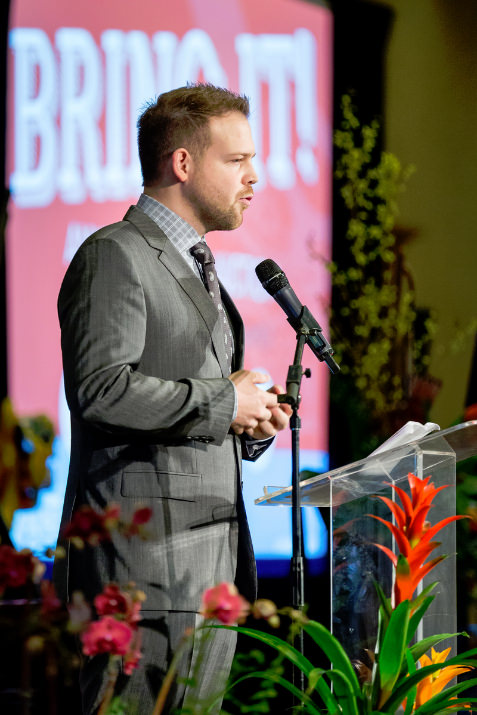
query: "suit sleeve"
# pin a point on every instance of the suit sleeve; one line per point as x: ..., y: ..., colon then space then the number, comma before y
x: 102, y: 312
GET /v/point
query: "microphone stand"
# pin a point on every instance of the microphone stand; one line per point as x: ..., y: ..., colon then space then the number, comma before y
x: 293, y: 398
x: 307, y: 332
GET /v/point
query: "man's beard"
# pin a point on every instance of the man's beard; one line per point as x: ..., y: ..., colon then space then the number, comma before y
x: 213, y: 216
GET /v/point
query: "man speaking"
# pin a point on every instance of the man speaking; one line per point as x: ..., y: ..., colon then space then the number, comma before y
x: 162, y: 412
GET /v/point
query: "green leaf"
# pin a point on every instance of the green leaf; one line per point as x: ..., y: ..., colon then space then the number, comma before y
x: 417, y: 615
x: 334, y: 651
x: 287, y: 650
x: 343, y: 690
x: 422, y: 646
x: 384, y: 601
x: 411, y: 698
x: 391, y: 655
x: 293, y: 655
x: 313, y: 679
x: 308, y: 704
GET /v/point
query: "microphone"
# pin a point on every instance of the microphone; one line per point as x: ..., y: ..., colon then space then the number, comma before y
x: 276, y: 284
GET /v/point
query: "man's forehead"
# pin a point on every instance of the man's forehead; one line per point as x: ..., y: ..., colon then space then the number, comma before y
x: 231, y: 128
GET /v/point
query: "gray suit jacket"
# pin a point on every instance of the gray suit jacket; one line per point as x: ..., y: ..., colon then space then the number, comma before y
x: 151, y: 407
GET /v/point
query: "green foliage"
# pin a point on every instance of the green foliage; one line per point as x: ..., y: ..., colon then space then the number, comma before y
x: 261, y: 697
x: 374, y: 314
x: 395, y: 676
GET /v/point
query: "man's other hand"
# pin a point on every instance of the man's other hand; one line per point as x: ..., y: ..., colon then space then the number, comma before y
x: 258, y: 412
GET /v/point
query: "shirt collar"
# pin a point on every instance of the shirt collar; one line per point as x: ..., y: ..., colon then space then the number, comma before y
x: 178, y: 231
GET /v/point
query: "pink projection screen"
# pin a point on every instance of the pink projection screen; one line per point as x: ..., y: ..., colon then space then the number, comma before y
x: 79, y: 74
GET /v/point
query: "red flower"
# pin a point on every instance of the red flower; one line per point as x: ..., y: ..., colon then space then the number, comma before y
x: 471, y: 412
x: 132, y: 657
x: 142, y: 516
x: 113, y: 601
x: 108, y: 635
x: 51, y: 605
x: 90, y: 526
x: 18, y: 567
x: 413, y: 535
x: 224, y: 603
x: 136, y: 526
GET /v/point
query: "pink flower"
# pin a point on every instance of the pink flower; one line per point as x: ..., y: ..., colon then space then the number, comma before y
x: 132, y: 657
x: 108, y: 635
x: 18, y: 567
x: 50, y: 603
x: 90, y: 527
x: 142, y: 515
x: 113, y: 601
x: 224, y: 603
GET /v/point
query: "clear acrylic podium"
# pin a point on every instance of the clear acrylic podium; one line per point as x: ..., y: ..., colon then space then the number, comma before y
x: 355, y: 563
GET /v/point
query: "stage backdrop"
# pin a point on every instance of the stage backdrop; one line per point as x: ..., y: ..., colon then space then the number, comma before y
x: 79, y: 74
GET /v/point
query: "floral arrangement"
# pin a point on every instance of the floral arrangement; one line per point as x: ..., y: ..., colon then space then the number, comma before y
x: 25, y: 445
x: 401, y: 674
x: 402, y: 678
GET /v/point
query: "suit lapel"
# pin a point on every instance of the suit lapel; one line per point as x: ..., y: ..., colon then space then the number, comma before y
x: 189, y: 282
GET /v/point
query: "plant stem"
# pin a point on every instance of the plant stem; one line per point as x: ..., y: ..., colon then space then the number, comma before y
x: 113, y: 676
x: 170, y: 675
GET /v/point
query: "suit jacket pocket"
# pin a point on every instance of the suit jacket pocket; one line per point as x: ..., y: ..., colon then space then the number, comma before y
x: 148, y: 484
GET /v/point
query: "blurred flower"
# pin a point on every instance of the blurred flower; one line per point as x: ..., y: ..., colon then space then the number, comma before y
x: 113, y: 601
x: 224, y: 603
x: 18, y: 568
x: 133, y: 656
x: 107, y: 635
x: 437, y: 681
x: 413, y: 534
x: 51, y: 605
x: 263, y: 608
x: 90, y: 527
x: 25, y: 445
x: 470, y: 412
x: 141, y: 516
x: 472, y: 514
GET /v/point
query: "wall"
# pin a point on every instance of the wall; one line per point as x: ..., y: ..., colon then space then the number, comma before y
x: 430, y: 98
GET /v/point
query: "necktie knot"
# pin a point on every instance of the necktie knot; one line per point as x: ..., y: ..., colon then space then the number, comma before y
x: 202, y: 253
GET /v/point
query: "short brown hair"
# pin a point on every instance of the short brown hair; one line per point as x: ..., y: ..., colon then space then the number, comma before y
x: 180, y: 118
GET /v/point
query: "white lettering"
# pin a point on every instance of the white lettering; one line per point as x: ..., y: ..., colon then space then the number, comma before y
x: 279, y: 61
x: 81, y: 107
x: 35, y: 148
x: 82, y: 144
x: 197, y: 53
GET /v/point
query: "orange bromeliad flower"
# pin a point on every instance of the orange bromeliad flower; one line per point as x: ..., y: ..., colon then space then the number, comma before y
x: 413, y: 535
x: 434, y: 683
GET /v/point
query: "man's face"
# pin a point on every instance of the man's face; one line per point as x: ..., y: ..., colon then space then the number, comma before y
x: 220, y: 185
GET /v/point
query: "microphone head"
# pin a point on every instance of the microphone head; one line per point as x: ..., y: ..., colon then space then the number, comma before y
x: 271, y: 276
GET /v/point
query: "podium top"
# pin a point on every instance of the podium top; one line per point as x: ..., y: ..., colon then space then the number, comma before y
x: 373, y: 474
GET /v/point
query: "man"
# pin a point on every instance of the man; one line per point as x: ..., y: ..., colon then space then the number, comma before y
x: 162, y: 411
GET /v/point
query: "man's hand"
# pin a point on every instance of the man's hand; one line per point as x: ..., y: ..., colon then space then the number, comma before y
x: 279, y: 420
x: 258, y: 412
x: 254, y: 405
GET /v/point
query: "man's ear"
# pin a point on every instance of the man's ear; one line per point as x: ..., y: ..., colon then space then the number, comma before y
x: 181, y: 164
